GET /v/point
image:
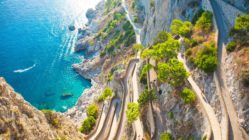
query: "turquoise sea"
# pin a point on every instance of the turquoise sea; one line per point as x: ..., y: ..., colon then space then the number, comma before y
x: 36, y: 50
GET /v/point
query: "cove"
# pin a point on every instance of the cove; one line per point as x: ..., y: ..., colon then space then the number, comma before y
x: 37, y: 50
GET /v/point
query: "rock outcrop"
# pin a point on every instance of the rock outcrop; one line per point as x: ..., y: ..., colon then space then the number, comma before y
x: 20, y: 120
x: 160, y: 13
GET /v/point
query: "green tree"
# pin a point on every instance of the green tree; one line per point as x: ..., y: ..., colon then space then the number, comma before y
x: 87, y: 125
x: 166, y: 50
x: 242, y: 23
x: 172, y: 72
x: 145, y: 69
x: 162, y: 37
x: 166, y: 136
x: 205, y: 22
x: 206, y: 58
x: 188, y: 96
x: 146, y: 97
x: 132, y: 112
x: 107, y: 93
x: 147, y: 53
x: 92, y: 110
x: 231, y: 46
x: 179, y: 27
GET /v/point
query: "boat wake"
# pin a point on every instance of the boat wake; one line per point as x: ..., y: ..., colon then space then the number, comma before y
x: 24, y: 70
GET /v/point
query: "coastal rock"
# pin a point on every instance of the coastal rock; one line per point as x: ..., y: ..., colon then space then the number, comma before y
x: 90, y: 14
x: 90, y: 68
x: 20, y: 120
x: 71, y: 27
x: 78, y: 113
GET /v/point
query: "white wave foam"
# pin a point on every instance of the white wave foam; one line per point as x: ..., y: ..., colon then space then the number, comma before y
x: 24, y: 70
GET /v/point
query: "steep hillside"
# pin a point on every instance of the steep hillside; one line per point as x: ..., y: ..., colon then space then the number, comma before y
x: 20, y: 120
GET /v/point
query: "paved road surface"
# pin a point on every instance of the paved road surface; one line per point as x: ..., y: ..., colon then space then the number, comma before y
x: 215, y: 126
x: 236, y: 132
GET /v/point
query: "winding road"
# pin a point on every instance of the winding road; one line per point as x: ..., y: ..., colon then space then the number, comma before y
x: 236, y: 132
x: 213, y: 121
x: 123, y: 119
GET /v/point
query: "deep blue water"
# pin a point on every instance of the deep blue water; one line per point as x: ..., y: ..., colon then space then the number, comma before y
x: 36, y: 49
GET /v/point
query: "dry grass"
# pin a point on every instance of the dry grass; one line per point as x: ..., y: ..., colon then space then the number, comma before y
x: 242, y: 58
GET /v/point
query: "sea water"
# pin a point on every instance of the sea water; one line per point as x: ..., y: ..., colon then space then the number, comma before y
x: 37, y: 50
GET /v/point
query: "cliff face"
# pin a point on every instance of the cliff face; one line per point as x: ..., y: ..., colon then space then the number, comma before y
x: 19, y: 120
x: 160, y: 13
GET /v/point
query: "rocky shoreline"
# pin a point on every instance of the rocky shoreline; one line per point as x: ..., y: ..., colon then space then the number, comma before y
x: 89, y: 68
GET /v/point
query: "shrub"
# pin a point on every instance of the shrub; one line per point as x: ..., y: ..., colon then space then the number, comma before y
x: 92, y: 110
x: 231, y: 46
x: 197, y: 16
x: 87, y: 125
x: 179, y: 27
x: 110, y: 77
x: 170, y: 115
x: 162, y: 37
x: 205, y: 22
x: 189, y: 43
x: 242, y: 23
x: 146, y: 97
x: 188, y: 96
x: 172, y: 72
x: 52, y: 118
x: 166, y: 136
x: 132, y: 112
x: 136, y: 19
x: 206, y: 59
x: 107, y: 93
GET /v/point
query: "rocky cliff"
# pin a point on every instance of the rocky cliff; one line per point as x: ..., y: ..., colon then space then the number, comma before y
x: 160, y: 13
x: 20, y: 120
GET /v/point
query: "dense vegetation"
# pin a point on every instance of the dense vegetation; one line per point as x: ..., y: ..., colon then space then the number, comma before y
x: 240, y: 32
x: 162, y: 51
x: 92, y: 110
x: 89, y: 123
x: 119, y: 33
x: 205, y: 22
x: 200, y: 48
x: 206, y: 58
x: 132, y: 112
x: 146, y: 97
x: 106, y: 94
x: 179, y: 27
x: 172, y: 72
x: 188, y: 96
x: 162, y: 37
